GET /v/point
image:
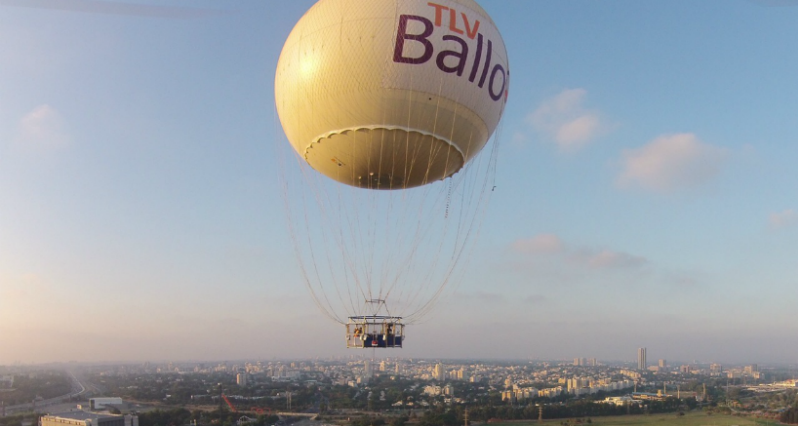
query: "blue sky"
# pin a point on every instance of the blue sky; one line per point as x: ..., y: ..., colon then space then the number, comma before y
x: 646, y: 188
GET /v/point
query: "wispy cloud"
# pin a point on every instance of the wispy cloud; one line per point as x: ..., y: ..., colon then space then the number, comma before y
x: 544, y: 243
x: 552, y: 245
x: 783, y: 219
x: 42, y: 129
x: 564, y: 120
x: 671, y: 162
x: 599, y: 259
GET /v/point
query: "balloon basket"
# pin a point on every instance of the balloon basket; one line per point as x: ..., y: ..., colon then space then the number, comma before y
x: 374, y: 331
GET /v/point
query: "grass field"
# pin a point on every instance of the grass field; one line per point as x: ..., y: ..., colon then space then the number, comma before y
x: 690, y: 419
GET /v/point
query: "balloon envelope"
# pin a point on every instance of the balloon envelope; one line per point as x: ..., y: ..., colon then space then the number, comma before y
x: 391, y: 94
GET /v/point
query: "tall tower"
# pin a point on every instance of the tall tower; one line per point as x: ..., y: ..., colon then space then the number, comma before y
x: 641, y: 358
x: 439, y: 374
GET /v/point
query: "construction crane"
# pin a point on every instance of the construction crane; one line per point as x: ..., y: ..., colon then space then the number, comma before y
x: 256, y: 410
x: 222, y: 396
x: 229, y: 404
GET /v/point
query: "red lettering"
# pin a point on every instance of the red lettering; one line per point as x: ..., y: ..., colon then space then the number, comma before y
x: 453, y: 22
x: 471, y: 32
x: 439, y: 8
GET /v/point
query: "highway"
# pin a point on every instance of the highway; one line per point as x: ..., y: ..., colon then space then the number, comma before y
x: 77, y: 390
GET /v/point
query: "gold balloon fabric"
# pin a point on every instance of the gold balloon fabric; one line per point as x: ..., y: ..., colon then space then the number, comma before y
x: 390, y: 94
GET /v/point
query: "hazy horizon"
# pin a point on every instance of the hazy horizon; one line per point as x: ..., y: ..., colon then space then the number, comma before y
x: 645, y: 187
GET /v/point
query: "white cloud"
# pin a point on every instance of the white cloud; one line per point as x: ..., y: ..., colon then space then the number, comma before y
x: 783, y: 219
x: 42, y: 129
x: 544, y: 243
x: 671, y: 162
x: 550, y: 244
x: 564, y: 120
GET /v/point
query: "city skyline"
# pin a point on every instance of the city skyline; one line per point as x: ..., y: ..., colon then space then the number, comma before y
x: 643, y: 196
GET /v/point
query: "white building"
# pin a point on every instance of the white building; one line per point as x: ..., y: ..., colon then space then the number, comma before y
x: 103, y: 403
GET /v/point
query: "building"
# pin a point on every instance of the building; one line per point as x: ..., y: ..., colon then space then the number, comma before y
x: 641, y: 358
x: 439, y: 373
x: 241, y: 379
x: 620, y: 400
x: 85, y: 418
x: 103, y: 403
x: 663, y: 363
x: 645, y: 396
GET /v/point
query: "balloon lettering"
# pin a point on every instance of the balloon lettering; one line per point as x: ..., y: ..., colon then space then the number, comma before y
x: 490, y: 73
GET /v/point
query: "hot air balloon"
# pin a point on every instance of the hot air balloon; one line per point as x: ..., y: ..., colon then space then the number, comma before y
x: 387, y: 104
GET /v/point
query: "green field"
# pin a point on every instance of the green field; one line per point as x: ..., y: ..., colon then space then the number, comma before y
x: 690, y: 419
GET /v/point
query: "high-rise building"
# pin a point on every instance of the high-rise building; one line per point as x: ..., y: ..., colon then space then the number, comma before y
x: 241, y: 379
x: 641, y: 359
x: 663, y: 363
x: 438, y: 373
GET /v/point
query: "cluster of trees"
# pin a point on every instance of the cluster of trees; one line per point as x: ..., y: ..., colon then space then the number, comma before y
x: 181, y: 387
x: 569, y: 409
x: 176, y: 417
x: 19, y: 419
x: 182, y: 416
x: 44, y: 385
x: 429, y: 418
x: 789, y: 416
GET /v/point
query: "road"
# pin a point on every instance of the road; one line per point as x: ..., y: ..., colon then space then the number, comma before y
x: 77, y: 390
